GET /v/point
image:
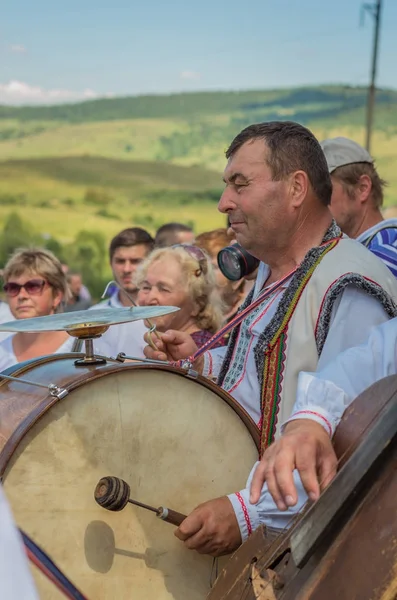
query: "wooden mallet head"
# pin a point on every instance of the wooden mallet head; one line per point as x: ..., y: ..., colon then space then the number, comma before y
x: 112, y: 493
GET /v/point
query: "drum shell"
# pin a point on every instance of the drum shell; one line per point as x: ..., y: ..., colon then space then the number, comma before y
x: 27, y: 413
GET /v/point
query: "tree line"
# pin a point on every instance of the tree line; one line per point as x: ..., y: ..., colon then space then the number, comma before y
x: 87, y: 253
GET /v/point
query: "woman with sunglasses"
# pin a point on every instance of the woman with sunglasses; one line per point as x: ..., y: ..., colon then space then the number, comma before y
x: 182, y: 276
x: 35, y: 286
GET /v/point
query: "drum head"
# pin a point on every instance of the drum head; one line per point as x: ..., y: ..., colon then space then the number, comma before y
x: 174, y: 440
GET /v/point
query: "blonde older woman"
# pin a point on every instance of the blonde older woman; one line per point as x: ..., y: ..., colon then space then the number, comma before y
x: 35, y: 286
x: 182, y: 276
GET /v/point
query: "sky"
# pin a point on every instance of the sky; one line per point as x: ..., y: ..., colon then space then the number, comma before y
x: 52, y: 51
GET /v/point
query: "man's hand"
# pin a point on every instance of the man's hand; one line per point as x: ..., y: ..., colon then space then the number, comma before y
x: 211, y: 528
x: 172, y: 345
x: 305, y: 446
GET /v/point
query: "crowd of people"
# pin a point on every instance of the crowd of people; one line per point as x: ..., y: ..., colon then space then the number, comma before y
x: 320, y: 305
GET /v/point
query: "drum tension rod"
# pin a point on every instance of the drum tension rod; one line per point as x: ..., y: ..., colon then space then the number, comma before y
x: 121, y: 357
x: 55, y: 391
x: 187, y: 366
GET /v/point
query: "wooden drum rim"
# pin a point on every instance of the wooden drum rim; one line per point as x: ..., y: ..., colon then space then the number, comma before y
x: 92, y: 372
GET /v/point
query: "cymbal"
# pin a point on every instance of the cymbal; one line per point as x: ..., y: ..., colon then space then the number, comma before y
x: 87, y: 320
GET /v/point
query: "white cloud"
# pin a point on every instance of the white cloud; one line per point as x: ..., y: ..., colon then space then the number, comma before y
x: 17, y: 48
x: 191, y: 75
x: 18, y: 92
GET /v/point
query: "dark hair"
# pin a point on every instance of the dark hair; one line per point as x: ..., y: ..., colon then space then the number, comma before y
x: 292, y: 147
x: 131, y: 237
x: 167, y: 235
x: 349, y: 177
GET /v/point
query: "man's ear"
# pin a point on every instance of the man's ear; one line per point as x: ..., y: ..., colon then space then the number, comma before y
x: 299, y: 185
x: 363, y: 188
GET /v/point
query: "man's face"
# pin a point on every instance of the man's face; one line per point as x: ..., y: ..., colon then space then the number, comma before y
x: 257, y: 206
x: 346, y: 210
x: 125, y: 262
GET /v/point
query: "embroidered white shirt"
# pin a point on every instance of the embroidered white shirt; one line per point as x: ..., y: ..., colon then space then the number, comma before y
x: 338, y: 383
x: 323, y: 397
x: 353, y: 315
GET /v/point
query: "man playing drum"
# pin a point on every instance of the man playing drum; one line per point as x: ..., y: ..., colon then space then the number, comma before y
x: 321, y: 294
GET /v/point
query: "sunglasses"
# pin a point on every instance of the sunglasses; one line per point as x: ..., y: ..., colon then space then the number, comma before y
x: 33, y: 287
x: 198, y: 254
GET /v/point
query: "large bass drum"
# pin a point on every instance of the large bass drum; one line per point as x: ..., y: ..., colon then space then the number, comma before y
x: 176, y: 440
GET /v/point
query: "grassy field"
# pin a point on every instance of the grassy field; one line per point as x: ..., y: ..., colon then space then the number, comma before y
x: 106, y: 164
x: 53, y: 194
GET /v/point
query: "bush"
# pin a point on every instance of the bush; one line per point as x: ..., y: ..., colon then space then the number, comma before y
x: 68, y: 201
x: 145, y: 220
x: 56, y: 248
x: 17, y: 233
x: 97, y: 197
x: 103, y: 212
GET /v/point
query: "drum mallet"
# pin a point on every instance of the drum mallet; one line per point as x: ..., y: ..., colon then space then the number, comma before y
x: 113, y: 494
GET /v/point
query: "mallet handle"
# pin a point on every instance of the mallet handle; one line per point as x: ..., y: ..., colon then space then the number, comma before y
x: 170, y: 516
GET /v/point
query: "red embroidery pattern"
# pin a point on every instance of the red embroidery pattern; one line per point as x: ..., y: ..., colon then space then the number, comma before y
x: 272, y: 385
x: 312, y: 412
x: 275, y: 355
x: 245, y: 511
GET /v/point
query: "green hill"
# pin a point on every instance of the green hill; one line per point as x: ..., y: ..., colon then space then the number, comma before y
x: 62, y: 195
x: 149, y: 159
x: 327, y: 101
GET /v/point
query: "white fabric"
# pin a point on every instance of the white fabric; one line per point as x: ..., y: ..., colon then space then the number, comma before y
x: 340, y: 382
x: 353, y: 315
x: 266, y: 510
x: 127, y: 337
x: 5, y: 316
x: 16, y: 582
x: 8, y: 358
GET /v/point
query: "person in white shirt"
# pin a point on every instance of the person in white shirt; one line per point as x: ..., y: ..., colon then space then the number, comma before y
x: 317, y: 293
x: 35, y: 286
x: 127, y: 250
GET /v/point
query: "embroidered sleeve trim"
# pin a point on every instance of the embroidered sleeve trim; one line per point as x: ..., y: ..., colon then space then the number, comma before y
x: 245, y: 511
x: 316, y: 414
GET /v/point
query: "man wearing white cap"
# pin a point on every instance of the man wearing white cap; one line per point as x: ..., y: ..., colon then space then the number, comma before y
x: 357, y: 198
